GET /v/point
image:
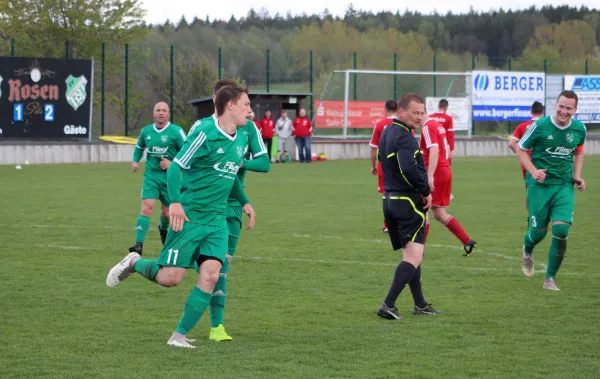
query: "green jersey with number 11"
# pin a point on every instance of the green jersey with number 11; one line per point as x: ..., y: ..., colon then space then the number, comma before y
x: 552, y: 148
x: 210, y: 159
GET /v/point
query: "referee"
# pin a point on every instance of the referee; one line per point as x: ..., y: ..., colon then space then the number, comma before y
x: 406, y: 198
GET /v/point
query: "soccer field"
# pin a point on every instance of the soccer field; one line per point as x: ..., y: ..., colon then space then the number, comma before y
x: 304, y: 287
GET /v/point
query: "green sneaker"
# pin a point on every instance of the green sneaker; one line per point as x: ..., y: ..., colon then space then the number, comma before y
x: 218, y: 334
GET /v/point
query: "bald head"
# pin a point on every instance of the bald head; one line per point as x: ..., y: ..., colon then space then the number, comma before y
x: 161, y: 114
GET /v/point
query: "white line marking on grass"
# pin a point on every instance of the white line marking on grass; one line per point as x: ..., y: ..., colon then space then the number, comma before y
x: 63, y: 247
x: 294, y: 235
x: 426, y: 265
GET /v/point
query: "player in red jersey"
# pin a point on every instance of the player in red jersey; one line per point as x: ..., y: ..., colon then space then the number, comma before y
x: 391, y: 108
x: 436, y: 154
x: 537, y: 111
x: 447, y: 122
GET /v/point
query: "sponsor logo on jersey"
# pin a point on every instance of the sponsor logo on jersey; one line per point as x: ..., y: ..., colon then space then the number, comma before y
x: 72, y: 130
x: 158, y: 150
x: 227, y: 167
x: 559, y: 151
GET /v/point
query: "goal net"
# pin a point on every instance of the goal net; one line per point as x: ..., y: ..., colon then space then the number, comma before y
x: 352, y: 101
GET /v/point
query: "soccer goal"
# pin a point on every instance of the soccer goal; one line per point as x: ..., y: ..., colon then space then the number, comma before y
x: 352, y: 101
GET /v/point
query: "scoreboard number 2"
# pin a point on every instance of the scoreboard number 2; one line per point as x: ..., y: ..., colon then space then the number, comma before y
x: 48, y: 112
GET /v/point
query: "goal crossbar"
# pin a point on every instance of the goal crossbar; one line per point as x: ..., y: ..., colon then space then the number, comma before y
x: 423, y: 73
x: 347, y: 73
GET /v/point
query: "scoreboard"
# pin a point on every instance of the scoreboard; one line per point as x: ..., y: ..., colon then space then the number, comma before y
x: 45, y: 98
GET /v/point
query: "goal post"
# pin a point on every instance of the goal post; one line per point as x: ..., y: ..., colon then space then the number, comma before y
x: 353, y: 100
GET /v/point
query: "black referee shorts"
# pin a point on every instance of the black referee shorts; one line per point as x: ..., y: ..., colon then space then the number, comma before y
x: 405, y: 218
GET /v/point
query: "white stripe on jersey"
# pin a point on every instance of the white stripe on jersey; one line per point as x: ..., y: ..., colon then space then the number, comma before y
x: 200, y: 138
x: 527, y: 134
x: 194, y: 127
x: 261, y: 143
x: 425, y: 132
x: 182, y: 134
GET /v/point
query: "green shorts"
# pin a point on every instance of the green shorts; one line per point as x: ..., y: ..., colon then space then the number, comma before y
x: 234, y: 224
x: 550, y: 202
x: 192, y: 243
x: 155, y: 187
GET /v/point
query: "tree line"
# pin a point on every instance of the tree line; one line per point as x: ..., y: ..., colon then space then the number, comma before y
x: 558, y: 39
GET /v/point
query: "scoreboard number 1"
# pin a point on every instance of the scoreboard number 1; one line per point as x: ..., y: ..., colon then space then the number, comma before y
x: 18, y: 112
x: 48, y: 112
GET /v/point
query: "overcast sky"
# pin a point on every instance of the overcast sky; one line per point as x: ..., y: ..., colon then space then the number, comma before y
x: 160, y: 10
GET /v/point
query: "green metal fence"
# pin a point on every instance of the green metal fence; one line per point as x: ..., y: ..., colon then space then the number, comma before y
x: 131, y: 78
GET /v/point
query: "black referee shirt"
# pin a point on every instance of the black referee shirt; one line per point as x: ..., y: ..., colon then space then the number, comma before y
x: 402, y: 161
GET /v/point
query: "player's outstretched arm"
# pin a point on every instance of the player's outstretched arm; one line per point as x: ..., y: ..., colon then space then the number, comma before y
x: 577, y: 167
x: 258, y: 164
x: 138, y: 153
x: 176, y: 213
x: 237, y: 192
x: 538, y: 175
x: 512, y: 144
x: 174, y: 183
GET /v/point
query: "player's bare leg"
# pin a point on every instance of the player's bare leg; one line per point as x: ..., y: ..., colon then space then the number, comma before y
x: 142, y: 225
x: 163, y: 228
x: 441, y: 215
x: 196, y: 303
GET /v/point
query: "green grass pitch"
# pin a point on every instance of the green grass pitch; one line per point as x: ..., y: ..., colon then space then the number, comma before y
x: 304, y: 288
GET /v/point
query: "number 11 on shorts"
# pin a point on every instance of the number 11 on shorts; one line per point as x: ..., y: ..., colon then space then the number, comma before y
x: 173, y: 254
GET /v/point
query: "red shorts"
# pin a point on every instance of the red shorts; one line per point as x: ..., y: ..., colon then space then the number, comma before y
x: 524, y: 173
x: 379, y: 178
x: 442, y: 182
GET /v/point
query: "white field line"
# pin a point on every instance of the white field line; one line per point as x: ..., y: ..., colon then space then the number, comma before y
x: 294, y: 235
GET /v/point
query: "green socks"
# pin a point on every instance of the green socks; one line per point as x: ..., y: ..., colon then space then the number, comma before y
x: 194, y: 307
x: 148, y: 268
x: 141, y: 228
x: 217, y: 303
x: 558, y: 247
x: 532, y: 238
x: 164, y: 222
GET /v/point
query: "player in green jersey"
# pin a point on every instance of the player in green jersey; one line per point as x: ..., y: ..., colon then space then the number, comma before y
x: 556, y: 144
x: 210, y: 160
x: 161, y: 141
x: 256, y: 159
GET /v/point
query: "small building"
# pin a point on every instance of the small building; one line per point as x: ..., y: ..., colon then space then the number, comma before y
x: 261, y: 102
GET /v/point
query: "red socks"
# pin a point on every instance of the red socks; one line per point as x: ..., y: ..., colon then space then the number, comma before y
x: 455, y: 228
x: 426, y: 232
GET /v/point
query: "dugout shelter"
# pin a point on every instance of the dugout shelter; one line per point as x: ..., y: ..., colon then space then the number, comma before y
x: 260, y: 103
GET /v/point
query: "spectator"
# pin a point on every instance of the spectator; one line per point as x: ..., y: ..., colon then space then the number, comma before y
x: 267, y: 129
x: 283, y: 131
x: 302, y: 130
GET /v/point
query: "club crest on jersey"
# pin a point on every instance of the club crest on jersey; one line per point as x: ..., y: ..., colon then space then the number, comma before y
x: 570, y: 138
x: 240, y: 151
x: 163, y: 139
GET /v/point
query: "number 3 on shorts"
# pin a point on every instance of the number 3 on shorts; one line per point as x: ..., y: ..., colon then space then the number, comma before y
x: 172, y: 253
x: 533, y: 223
